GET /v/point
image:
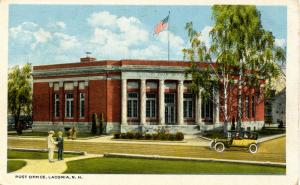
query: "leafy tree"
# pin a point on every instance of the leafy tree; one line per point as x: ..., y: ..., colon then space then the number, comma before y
x: 242, y: 48
x: 19, y: 93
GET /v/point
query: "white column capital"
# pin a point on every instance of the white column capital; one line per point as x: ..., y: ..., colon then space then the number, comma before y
x: 75, y: 83
x: 50, y: 84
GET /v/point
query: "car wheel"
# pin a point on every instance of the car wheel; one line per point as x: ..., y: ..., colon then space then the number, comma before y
x: 212, y: 144
x: 219, y: 147
x: 253, y: 148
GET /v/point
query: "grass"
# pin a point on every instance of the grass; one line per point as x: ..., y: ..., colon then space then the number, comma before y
x: 152, y: 166
x: 45, y: 134
x: 14, y: 165
x: 13, y: 154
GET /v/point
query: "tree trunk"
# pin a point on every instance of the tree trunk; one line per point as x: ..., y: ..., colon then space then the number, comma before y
x: 225, y: 109
x: 239, y: 107
x: 18, y: 124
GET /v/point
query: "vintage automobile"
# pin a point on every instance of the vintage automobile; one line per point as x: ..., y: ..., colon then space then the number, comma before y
x: 243, y: 139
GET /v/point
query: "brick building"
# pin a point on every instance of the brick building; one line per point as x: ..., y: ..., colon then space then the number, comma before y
x: 131, y: 94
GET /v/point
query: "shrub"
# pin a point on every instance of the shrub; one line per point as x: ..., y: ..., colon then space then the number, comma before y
x: 179, y: 136
x: 117, y: 135
x: 123, y: 136
x: 130, y: 135
x: 155, y: 136
x: 148, y: 136
x: 94, y: 124
x: 138, y: 135
x: 171, y: 137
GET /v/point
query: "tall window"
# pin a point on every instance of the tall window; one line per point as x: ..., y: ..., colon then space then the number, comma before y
x: 207, y: 108
x: 151, y: 105
x: 56, y: 105
x: 253, y: 107
x: 69, y: 105
x: 247, y: 102
x: 81, y: 107
x: 188, y: 107
x: 132, y: 105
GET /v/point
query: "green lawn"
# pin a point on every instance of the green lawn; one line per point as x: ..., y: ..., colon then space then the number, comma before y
x: 14, y: 165
x: 13, y: 154
x: 151, y: 166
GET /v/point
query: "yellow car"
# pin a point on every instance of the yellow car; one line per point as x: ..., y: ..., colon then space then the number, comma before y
x: 242, y: 139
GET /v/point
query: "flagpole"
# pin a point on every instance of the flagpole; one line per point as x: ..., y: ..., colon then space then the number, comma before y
x: 169, y: 37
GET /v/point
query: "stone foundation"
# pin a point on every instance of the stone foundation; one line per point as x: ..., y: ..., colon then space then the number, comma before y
x: 112, y: 127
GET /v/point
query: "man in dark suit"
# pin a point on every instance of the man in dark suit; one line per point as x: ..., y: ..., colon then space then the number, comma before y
x: 60, y: 145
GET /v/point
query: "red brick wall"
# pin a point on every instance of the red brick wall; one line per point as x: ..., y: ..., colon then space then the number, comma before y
x: 113, y: 100
x: 97, y: 98
x: 41, y: 104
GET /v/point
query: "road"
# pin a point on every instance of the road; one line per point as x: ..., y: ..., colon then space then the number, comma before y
x: 273, y: 150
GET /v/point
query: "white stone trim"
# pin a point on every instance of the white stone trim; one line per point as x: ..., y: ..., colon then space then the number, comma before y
x: 154, y: 75
x: 85, y: 78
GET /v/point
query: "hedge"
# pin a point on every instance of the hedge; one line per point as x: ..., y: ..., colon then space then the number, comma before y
x: 178, y: 136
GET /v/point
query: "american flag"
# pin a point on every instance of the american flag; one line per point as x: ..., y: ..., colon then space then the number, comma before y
x: 162, y: 25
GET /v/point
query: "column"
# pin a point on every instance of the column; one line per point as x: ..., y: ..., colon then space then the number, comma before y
x: 51, y: 101
x: 216, y: 106
x: 124, y: 102
x: 143, y: 101
x: 86, y: 101
x: 161, y: 102
x: 61, y: 101
x: 75, y: 95
x: 199, y: 107
x: 180, y: 102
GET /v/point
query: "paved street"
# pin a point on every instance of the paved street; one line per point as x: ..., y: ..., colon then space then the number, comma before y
x: 273, y: 150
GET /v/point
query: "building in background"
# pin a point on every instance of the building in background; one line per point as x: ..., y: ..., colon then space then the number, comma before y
x: 131, y: 94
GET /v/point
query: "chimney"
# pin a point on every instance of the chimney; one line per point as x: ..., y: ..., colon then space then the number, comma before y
x: 87, y: 59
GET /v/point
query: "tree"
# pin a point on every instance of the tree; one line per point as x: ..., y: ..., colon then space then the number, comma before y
x: 241, y: 48
x: 19, y: 93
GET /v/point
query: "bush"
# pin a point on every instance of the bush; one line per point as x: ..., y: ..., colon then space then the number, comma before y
x: 148, y: 136
x: 94, y: 124
x: 138, y: 135
x: 179, y: 136
x: 156, y: 136
x: 123, y: 136
x: 117, y: 135
x: 130, y: 135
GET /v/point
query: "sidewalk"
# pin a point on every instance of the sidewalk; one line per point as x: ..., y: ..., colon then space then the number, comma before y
x: 44, y: 166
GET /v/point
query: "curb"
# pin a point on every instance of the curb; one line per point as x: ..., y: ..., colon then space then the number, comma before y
x: 138, y: 156
x: 261, y: 140
x: 44, y: 150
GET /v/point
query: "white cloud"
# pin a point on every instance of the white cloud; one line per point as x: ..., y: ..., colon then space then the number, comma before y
x: 61, y: 24
x: 120, y: 37
x: 66, y: 41
x: 280, y: 42
x: 205, y: 35
x: 102, y: 19
x: 31, y: 35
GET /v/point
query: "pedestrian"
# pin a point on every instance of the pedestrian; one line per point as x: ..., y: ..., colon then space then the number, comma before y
x: 60, y: 145
x: 51, y: 146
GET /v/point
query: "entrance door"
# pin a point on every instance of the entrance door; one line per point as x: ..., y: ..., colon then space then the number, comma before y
x: 170, y: 108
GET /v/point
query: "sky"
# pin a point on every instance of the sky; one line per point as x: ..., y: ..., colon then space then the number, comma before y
x: 50, y: 34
